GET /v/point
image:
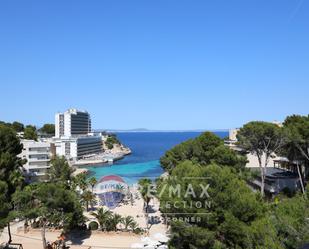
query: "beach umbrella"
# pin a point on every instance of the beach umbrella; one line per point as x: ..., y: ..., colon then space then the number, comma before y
x: 154, y: 243
x: 149, y: 242
x: 137, y: 245
x: 150, y: 247
x: 161, y: 237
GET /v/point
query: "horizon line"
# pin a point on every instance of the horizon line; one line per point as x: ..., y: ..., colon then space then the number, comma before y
x: 165, y: 130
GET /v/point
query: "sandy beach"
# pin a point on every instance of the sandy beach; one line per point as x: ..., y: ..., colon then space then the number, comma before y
x: 96, y: 239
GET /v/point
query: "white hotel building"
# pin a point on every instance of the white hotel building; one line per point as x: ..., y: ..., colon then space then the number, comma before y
x: 72, y: 135
x: 72, y: 123
x: 72, y: 140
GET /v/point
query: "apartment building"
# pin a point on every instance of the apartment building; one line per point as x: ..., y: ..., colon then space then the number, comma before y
x: 38, y: 157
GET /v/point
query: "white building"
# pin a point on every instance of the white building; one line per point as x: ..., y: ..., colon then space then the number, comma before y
x: 78, y: 147
x: 73, y: 122
x: 73, y: 137
x: 233, y: 135
x: 38, y: 157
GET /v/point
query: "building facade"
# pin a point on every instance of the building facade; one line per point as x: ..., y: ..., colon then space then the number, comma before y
x: 76, y: 148
x: 73, y: 138
x: 233, y: 135
x: 38, y: 157
x: 73, y: 122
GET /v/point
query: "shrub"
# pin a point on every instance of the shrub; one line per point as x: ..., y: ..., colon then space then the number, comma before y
x: 93, y: 226
x: 138, y: 231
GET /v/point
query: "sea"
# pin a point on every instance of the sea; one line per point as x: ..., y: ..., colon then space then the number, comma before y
x: 147, y: 148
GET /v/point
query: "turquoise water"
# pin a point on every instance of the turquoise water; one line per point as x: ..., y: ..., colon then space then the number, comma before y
x: 147, y: 148
x: 131, y: 173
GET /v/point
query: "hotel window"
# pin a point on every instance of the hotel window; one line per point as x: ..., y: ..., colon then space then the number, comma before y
x: 67, y: 149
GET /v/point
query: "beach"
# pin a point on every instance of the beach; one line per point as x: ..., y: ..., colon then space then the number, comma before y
x: 98, y: 239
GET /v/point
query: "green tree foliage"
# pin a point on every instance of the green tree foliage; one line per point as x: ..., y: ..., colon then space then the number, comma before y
x: 92, y: 182
x: 103, y: 216
x: 234, y: 214
x: 10, y: 168
x: 111, y: 140
x: 262, y: 139
x: 9, y: 142
x: 93, y: 225
x: 50, y: 203
x: 236, y: 217
x: 135, y: 228
x: 205, y: 149
x: 24, y: 201
x: 291, y: 221
x: 297, y: 146
x: 88, y: 198
x: 18, y: 127
x: 30, y: 133
x: 127, y: 222
x: 262, y: 234
x: 60, y: 170
x: 145, y: 190
x: 5, y: 206
x: 48, y: 129
x: 6, y: 124
x: 109, y: 221
x: 80, y: 181
x: 112, y: 223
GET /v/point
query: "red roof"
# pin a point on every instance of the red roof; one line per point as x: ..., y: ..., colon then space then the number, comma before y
x: 112, y: 178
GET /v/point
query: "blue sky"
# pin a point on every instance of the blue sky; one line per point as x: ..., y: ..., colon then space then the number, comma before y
x: 158, y: 64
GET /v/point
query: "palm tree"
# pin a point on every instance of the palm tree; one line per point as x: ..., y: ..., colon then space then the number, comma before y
x: 81, y: 181
x: 145, y: 185
x: 88, y: 198
x: 17, y: 179
x: 114, y: 221
x: 103, y: 216
x: 134, y: 226
x: 92, y: 181
x: 127, y: 222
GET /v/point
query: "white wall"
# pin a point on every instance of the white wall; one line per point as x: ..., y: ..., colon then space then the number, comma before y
x: 67, y: 124
x: 37, y: 155
x: 253, y: 161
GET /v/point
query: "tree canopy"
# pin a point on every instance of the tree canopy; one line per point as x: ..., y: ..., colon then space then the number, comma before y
x: 51, y: 202
x: 204, y: 149
x: 48, y: 129
x: 18, y: 127
x: 5, y: 205
x: 30, y: 133
x: 297, y: 128
x: 60, y: 170
x: 10, y: 170
x: 111, y: 140
x: 233, y: 216
x: 263, y: 140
